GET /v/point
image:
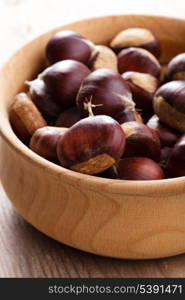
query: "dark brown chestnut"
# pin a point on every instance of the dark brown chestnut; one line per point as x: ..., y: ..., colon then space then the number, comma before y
x: 25, y: 118
x: 176, y: 162
x: 105, y: 58
x: 136, y: 37
x: 176, y: 68
x: 141, y: 141
x: 127, y: 116
x: 143, y: 87
x: 68, y: 44
x: 44, y: 141
x: 169, y: 104
x: 92, y: 145
x: 168, y: 136
x: 138, y: 60
x: 63, y: 80
x: 68, y: 118
x: 44, y: 102
x: 139, y: 168
x: 106, y: 91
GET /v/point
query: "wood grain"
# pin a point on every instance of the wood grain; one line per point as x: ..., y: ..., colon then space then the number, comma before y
x: 25, y: 252
x: 30, y: 254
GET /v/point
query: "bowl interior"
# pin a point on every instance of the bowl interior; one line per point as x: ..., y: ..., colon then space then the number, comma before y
x: 29, y: 60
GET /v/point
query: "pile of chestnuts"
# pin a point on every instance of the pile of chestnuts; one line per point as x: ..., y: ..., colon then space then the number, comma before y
x: 108, y: 111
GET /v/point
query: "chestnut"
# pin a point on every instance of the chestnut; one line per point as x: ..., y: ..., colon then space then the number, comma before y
x: 104, y: 58
x: 68, y: 117
x: 143, y: 87
x: 176, y: 163
x: 168, y: 136
x: 169, y: 104
x: 136, y: 37
x: 25, y: 118
x: 176, y: 68
x: 165, y: 154
x: 63, y: 80
x: 139, y: 168
x: 106, y: 91
x: 92, y: 145
x: 44, y: 141
x: 67, y: 44
x: 141, y: 141
x: 138, y: 60
x: 44, y: 102
x: 127, y: 116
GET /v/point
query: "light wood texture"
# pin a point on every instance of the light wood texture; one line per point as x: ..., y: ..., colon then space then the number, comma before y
x: 112, y: 218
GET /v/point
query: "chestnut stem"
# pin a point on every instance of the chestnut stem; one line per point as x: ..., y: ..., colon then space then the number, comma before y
x: 88, y: 106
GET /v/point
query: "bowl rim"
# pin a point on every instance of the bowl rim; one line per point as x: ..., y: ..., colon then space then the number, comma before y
x: 149, y: 187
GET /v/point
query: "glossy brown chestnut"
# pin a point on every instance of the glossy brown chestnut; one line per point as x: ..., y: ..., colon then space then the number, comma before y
x: 138, y: 60
x: 25, y: 118
x: 141, y: 141
x: 92, y: 145
x: 169, y: 104
x: 176, y: 162
x: 44, y: 141
x: 143, y: 87
x: 168, y: 136
x: 68, y: 118
x: 127, y: 116
x: 139, y: 168
x: 68, y: 44
x: 176, y: 68
x: 44, y: 102
x: 106, y: 91
x: 136, y: 37
x: 63, y: 80
x: 105, y: 58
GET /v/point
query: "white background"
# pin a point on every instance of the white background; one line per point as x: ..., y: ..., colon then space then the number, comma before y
x: 21, y: 20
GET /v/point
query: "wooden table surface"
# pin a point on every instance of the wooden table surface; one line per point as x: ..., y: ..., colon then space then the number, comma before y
x: 24, y: 251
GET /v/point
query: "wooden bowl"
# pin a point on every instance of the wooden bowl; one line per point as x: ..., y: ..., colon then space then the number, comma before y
x: 123, y: 219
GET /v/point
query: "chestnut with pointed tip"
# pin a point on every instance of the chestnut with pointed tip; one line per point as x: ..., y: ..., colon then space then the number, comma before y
x: 92, y: 145
x: 127, y: 116
x: 63, y: 80
x: 176, y: 68
x: 176, y: 162
x: 44, y: 102
x: 143, y: 87
x: 25, y: 118
x: 68, y: 118
x: 105, y: 58
x: 139, y: 168
x: 44, y: 141
x: 168, y: 136
x: 136, y: 37
x: 138, y: 60
x: 67, y: 44
x: 169, y: 104
x: 141, y: 141
x: 107, y: 93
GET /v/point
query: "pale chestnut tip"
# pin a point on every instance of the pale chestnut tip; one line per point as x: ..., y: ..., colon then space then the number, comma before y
x: 143, y: 87
x: 25, y: 118
x: 136, y: 37
x: 138, y: 60
x: 104, y: 58
x: 176, y: 68
x: 169, y: 104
